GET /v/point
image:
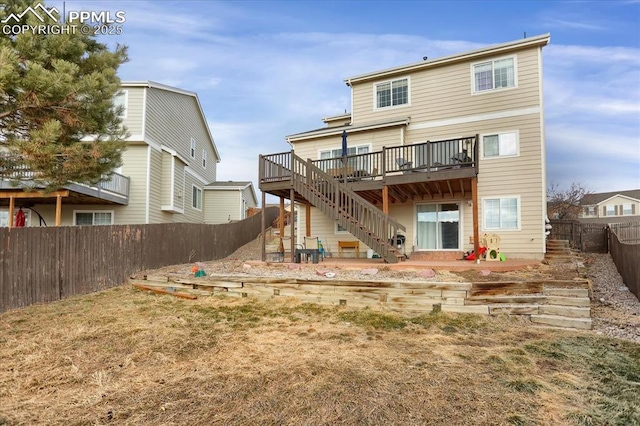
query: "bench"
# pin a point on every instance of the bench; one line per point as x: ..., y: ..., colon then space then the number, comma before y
x: 349, y: 245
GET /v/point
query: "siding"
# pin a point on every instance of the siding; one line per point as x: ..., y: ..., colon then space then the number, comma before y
x: 172, y: 120
x: 221, y: 205
x: 617, y: 202
x: 156, y: 215
x: 167, y: 169
x: 191, y: 214
x: 247, y: 196
x: 133, y: 120
x: 446, y: 92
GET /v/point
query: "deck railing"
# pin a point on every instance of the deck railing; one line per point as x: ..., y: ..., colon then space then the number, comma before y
x: 116, y: 183
x: 429, y: 156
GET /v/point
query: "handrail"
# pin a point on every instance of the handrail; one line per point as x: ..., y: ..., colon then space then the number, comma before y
x: 361, y: 218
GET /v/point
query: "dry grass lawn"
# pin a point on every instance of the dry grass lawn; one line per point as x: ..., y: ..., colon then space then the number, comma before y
x: 129, y: 357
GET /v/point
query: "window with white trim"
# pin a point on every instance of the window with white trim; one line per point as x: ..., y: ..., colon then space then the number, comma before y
x: 500, y: 145
x: 196, y: 198
x: 392, y: 93
x: 501, y: 213
x: 496, y: 74
x: 120, y: 103
x: 93, y: 218
x: 591, y: 210
x: 204, y: 159
x: 193, y: 148
x: 627, y: 209
x: 610, y: 210
x: 340, y: 230
x: 4, y: 217
x: 357, y: 163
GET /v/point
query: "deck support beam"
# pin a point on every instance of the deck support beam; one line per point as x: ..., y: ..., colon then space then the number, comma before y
x: 281, y: 217
x: 263, y: 219
x: 292, y: 197
x: 58, y: 210
x: 12, y: 206
x: 476, y: 234
x: 385, y: 199
x: 308, y: 218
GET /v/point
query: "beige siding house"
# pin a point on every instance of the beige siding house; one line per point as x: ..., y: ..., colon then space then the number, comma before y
x: 611, y: 205
x: 228, y: 201
x: 170, y: 161
x: 438, y: 146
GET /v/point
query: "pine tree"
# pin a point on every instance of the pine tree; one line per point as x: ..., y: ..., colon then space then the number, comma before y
x: 57, y: 116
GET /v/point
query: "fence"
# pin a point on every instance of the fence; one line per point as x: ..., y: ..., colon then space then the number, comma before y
x: 626, y: 255
x: 586, y: 237
x: 41, y: 265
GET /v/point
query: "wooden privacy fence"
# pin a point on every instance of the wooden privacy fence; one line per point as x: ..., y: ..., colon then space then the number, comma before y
x: 626, y: 256
x: 586, y: 237
x: 41, y: 265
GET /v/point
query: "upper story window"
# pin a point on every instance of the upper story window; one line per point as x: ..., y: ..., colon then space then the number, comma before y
x: 120, y: 103
x: 627, y: 209
x: 333, y: 159
x: 591, y: 211
x: 610, y: 210
x: 204, y: 159
x: 500, y: 145
x: 496, y: 74
x: 392, y: 93
x: 193, y: 148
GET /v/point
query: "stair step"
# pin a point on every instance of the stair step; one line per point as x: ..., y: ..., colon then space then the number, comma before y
x: 560, y: 321
x: 565, y: 311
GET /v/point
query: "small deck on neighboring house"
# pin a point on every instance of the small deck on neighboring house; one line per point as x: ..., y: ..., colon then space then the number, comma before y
x: 15, y: 192
x: 356, y: 190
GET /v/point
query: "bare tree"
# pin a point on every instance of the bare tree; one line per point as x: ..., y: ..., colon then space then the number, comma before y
x: 564, y: 203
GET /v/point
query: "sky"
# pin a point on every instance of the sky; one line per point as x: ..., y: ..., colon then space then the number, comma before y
x: 267, y: 69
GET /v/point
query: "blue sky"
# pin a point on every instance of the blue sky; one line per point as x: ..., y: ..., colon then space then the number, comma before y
x: 267, y: 69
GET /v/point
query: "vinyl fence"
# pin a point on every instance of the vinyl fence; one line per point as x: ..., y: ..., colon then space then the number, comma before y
x: 41, y: 265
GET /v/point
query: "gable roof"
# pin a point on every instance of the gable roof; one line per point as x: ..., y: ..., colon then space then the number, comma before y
x: 591, y: 199
x: 541, y: 40
x: 160, y: 86
x: 233, y: 186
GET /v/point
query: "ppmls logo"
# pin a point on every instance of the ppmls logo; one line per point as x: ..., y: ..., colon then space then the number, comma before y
x: 79, y: 21
x: 34, y: 11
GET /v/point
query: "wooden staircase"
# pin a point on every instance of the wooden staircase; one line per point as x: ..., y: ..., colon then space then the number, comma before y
x: 362, y: 219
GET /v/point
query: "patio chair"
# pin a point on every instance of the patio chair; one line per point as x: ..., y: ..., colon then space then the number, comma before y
x: 403, y: 164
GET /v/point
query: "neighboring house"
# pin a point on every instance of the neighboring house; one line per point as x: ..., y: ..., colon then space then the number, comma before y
x: 611, y: 205
x: 442, y: 151
x: 168, y: 166
x: 228, y: 201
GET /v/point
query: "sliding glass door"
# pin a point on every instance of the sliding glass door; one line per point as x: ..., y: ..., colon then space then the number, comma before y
x: 438, y: 226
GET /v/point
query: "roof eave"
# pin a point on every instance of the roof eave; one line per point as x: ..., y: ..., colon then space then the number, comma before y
x: 541, y: 40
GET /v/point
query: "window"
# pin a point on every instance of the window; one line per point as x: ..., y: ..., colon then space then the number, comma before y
x: 627, y: 209
x: 392, y: 93
x: 120, y: 103
x: 204, y: 159
x: 501, y: 213
x: 340, y: 229
x: 610, y: 211
x: 93, y: 218
x: 591, y: 211
x: 497, y: 74
x: 197, y: 198
x: 358, y: 163
x: 500, y: 145
x: 193, y: 148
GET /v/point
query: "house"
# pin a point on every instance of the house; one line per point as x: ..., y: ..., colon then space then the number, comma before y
x: 441, y: 151
x: 228, y: 201
x: 168, y: 172
x: 611, y: 205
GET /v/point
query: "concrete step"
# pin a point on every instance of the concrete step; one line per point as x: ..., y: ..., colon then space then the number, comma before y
x: 560, y: 321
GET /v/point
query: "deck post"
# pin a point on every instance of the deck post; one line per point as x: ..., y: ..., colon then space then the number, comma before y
x: 264, y: 236
x: 58, y: 209
x: 476, y: 236
x: 12, y: 207
x: 385, y: 199
x: 308, y: 218
x: 281, y: 218
x: 293, y: 215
